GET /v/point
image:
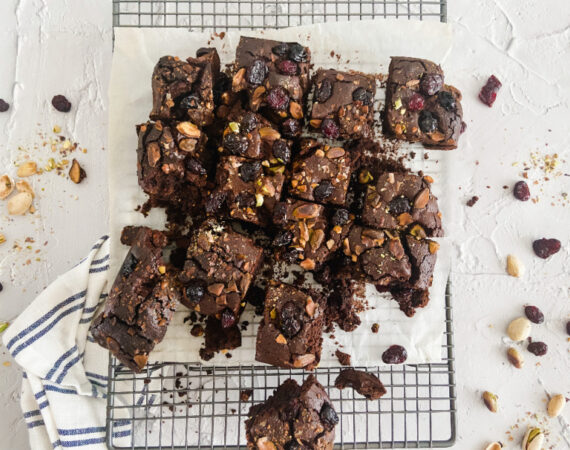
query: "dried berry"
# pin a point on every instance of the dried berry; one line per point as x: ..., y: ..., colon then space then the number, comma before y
x: 323, y: 191
x: 297, y: 52
x: 60, y: 103
x: 399, y: 205
x: 129, y: 265
x: 291, y: 128
x: 291, y: 256
x: 340, y: 217
x: 195, y: 166
x: 363, y: 95
x: 534, y: 314
x: 228, y: 319
x: 287, y: 67
x: 281, y: 150
x: 324, y: 92
x: 416, y: 102
x: 256, y: 72
x: 290, y: 318
x: 328, y: 415
x: 194, y: 292
x: 330, y: 129
x: 521, y: 191
x: 277, y: 98
x: 543, y: 248
x: 189, y: 102
x: 281, y: 49
x: 293, y: 445
x: 235, y: 144
x: 395, y: 354
x: 249, y: 122
x: 215, y: 201
x: 249, y: 170
x: 427, y: 122
x: 431, y: 83
x: 4, y: 106
x: 246, y: 200
x: 488, y: 93
x: 568, y: 328
x: 446, y: 100
x: 282, y: 239
x: 538, y: 348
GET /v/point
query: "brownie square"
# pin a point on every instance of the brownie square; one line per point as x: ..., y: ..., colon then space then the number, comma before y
x: 294, y: 417
x: 420, y: 107
x: 398, y: 200
x: 219, y: 268
x: 290, y: 334
x: 219, y: 338
x: 250, y: 190
x: 343, y: 104
x: 183, y: 90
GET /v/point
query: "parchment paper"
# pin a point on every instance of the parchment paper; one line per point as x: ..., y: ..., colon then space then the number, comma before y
x: 365, y: 46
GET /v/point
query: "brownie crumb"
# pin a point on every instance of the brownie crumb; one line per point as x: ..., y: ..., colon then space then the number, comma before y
x: 343, y: 358
x: 375, y: 327
x: 472, y: 201
x: 197, y: 330
x: 206, y: 355
x: 245, y: 394
x: 4, y: 106
x: 364, y: 383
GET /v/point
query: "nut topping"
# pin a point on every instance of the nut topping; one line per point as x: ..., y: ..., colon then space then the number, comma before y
x: 514, y: 266
x: 76, y: 172
x: 515, y: 357
x: 307, y: 211
x: 24, y: 186
x: 6, y: 186
x: 216, y: 288
x: 188, y: 129
x: 308, y: 264
x: 265, y: 444
x: 533, y: 439
x: 153, y: 153
x: 311, y: 307
x: 27, y: 169
x: 303, y: 360
x: 335, y: 152
x: 269, y: 134
x: 19, y: 203
x: 494, y: 446
x: 422, y: 199
x: 296, y: 110
x: 490, y: 401
x: 281, y: 339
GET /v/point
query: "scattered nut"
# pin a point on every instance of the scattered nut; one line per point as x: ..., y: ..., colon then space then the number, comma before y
x: 24, y: 186
x: 27, y: 169
x: 19, y: 203
x: 514, y: 267
x: 76, y: 172
x: 303, y: 360
x: 3, y: 326
x: 6, y: 186
x: 533, y: 439
x: 307, y: 264
x: 515, y: 357
x: 265, y: 444
x: 422, y: 199
x: 490, y: 401
x: 280, y: 339
x: 494, y: 446
x: 2, y: 238
x: 188, y: 129
x: 556, y: 405
x: 519, y: 329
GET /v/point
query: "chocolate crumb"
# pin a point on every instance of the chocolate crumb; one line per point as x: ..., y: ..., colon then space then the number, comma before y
x: 472, y: 201
x: 343, y: 358
x: 375, y: 327
x: 197, y: 330
x: 362, y: 382
x: 245, y: 394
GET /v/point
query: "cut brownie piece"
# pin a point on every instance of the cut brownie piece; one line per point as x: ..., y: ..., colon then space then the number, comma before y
x: 290, y: 334
x: 249, y: 189
x: 218, y: 270
x: 141, y: 301
x: 420, y: 107
x: 294, y: 417
x: 276, y: 77
x: 322, y: 174
x: 345, y: 302
x: 183, y: 90
x: 343, y: 104
x: 219, y: 338
x: 362, y: 382
x: 398, y: 200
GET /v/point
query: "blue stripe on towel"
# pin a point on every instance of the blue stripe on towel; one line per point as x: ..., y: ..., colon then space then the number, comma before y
x: 37, y: 423
x: 81, y: 443
x: 99, y: 261
x: 99, y: 269
x: 59, y: 361
x: 35, y: 412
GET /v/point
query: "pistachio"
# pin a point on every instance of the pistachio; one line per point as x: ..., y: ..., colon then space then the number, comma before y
x: 316, y: 239
x: 2, y: 238
x: 162, y: 269
x: 238, y: 79
x: 433, y: 247
x: 335, y: 152
x: 265, y: 444
x: 490, y: 401
x: 422, y: 199
x: 515, y: 357
x: 519, y: 329
x: 27, y: 169
x: 405, y: 219
x: 24, y: 186
x: 308, y: 264
x: 437, y: 136
x: 273, y: 314
x: 256, y: 97
x: 418, y: 232
x: 556, y: 405
x: 280, y: 339
x: 259, y: 200
x: 6, y: 186
x: 397, y: 103
x: 514, y: 266
x: 310, y: 307
x: 306, y: 211
x: 153, y: 153
x: 303, y: 360
x: 277, y: 169
x: 494, y: 446
x: 269, y: 134
x: 365, y: 177
x: 187, y: 145
x: 188, y: 129
x: 3, y: 326
x: 296, y: 110
x: 19, y: 203
x: 234, y: 126
x: 533, y: 439
x: 315, y: 123
x: 76, y: 172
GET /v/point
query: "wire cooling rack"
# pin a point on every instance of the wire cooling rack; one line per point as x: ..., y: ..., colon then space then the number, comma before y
x: 189, y: 406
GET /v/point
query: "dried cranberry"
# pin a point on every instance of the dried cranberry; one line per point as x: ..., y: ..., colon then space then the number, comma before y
x: 281, y: 150
x: 194, y: 292
x: 290, y: 318
x: 340, y: 217
x: 297, y: 52
x: 534, y: 314
x: 189, y: 102
x: 431, y: 83
x: 60, y: 103
x: 291, y: 128
x: 395, y: 354
x: 228, y: 319
x: 249, y: 170
x: 328, y: 415
x: 235, y: 144
x: 282, y: 239
x: 287, y: 67
x: 363, y: 95
x: 330, y: 129
x: 488, y: 93
x: 4, y: 106
x: 249, y: 122
x: 245, y: 200
x: 215, y: 201
x: 324, y: 92
x: 538, y: 348
x: 281, y: 49
x: 446, y: 100
x: 521, y: 191
x: 568, y: 328
x: 195, y: 166
x: 293, y: 445
x: 427, y: 122
x: 256, y: 72
x: 129, y: 265
x: 543, y: 248
x: 416, y: 102
x: 277, y: 98
x: 323, y: 191
x: 399, y: 205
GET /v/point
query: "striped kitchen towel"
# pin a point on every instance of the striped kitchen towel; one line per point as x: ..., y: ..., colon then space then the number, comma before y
x: 65, y: 371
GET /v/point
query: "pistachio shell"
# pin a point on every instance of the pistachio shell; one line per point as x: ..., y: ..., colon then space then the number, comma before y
x: 24, y: 186
x: 28, y: 168
x: 556, y: 405
x: 6, y: 186
x: 519, y: 329
x: 19, y: 203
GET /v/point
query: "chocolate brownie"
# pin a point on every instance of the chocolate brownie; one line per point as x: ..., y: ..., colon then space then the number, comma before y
x: 343, y: 104
x: 420, y: 107
x: 322, y: 174
x: 219, y: 267
x: 345, y: 302
x: 183, y: 90
x: 294, y: 417
x: 276, y: 77
x: 219, y: 338
x: 362, y: 382
x: 141, y: 301
x: 398, y: 200
x: 290, y: 334
x: 409, y: 299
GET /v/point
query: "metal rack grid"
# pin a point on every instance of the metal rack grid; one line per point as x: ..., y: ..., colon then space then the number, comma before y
x: 189, y: 406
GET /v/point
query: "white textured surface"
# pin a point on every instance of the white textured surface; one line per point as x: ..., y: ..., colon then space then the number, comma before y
x: 64, y: 46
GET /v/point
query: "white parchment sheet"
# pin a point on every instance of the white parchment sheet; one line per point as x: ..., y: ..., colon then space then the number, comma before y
x: 365, y: 46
